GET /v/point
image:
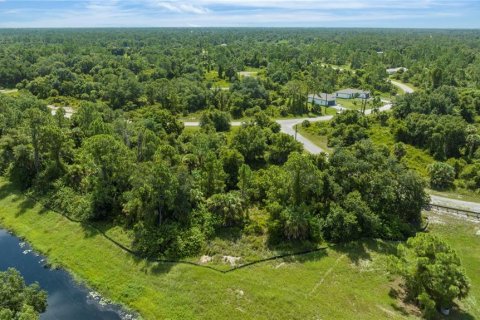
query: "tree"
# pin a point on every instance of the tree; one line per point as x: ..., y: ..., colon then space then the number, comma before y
x: 220, y: 120
x: 399, y: 150
x: 232, y: 161
x: 245, y: 178
x: 227, y: 208
x: 19, y: 301
x: 212, y: 175
x: 437, y: 77
x: 251, y: 141
x: 153, y: 193
x: 442, y: 175
x: 281, y: 146
x: 36, y: 119
x: 303, y: 179
x: 107, y: 163
x: 432, y: 273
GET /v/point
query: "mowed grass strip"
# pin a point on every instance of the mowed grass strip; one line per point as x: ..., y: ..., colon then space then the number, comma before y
x: 342, y: 283
x: 464, y: 237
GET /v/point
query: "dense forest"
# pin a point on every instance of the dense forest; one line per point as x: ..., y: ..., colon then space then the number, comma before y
x: 125, y: 157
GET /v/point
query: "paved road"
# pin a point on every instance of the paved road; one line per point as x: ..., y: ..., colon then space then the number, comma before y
x: 402, y: 86
x: 454, y: 203
x: 288, y: 125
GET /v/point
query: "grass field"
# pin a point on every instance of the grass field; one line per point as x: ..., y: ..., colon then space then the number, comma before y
x: 352, y: 104
x: 212, y: 76
x: 343, y: 282
x: 317, y: 139
x: 464, y: 237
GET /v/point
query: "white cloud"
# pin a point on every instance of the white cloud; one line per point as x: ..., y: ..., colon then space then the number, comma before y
x: 178, y: 6
x: 236, y: 13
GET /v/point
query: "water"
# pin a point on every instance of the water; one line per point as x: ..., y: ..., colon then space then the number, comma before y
x: 66, y: 299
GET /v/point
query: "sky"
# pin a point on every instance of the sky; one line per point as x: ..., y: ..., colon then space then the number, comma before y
x: 240, y: 13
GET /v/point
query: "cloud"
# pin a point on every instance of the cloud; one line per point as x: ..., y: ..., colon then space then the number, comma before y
x: 239, y: 13
x: 178, y: 7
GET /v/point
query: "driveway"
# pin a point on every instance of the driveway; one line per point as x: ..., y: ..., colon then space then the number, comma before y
x: 402, y: 86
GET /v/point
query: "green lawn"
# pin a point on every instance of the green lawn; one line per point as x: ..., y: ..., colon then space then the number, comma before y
x: 317, y: 139
x: 343, y: 282
x: 352, y: 104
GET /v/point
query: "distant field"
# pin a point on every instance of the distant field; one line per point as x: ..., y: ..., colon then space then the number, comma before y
x: 344, y: 282
x: 8, y: 91
x: 212, y: 76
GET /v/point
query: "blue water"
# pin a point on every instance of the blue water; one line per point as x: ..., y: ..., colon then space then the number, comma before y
x: 66, y: 299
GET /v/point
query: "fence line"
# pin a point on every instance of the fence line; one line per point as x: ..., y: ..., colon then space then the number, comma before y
x: 137, y: 255
x: 172, y: 261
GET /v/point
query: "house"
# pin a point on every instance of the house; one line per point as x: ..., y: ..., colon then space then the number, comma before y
x: 395, y: 70
x: 352, y: 94
x: 323, y: 99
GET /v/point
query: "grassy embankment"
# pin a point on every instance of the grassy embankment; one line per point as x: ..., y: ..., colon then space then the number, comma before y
x: 344, y: 282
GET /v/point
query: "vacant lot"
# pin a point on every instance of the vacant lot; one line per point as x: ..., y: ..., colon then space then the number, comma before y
x: 343, y: 282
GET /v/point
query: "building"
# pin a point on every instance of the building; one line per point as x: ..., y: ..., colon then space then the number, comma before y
x: 395, y: 70
x: 323, y: 99
x: 352, y: 94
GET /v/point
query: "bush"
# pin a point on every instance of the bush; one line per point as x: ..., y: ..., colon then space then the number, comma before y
x: 168, y: 240
x: 432, y: 273
x: 306, y: 124
x: 340, y: 225
x: 218, y: 119
x: 442, y: 175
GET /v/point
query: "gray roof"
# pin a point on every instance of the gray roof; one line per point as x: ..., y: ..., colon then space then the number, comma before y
x: 352, y: 91
x: 322, y: 96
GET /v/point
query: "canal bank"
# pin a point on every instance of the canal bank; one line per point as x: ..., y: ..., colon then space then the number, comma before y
x: 66, y: 298
x: 87, y: 257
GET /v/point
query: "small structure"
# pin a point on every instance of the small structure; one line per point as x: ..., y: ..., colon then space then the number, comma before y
x: 352, y: 94
x: 395, y: 70
x: 322, y: 99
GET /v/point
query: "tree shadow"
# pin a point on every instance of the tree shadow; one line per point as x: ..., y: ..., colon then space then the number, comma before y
x: 457, y: 313
x: 361, y: 250
x: 311, y: 256
x: 229, y: 233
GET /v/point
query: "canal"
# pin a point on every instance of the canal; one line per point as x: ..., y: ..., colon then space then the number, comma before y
x: 66, y: 298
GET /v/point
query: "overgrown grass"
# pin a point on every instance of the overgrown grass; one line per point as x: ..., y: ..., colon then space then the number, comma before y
x: 415, y: 158
x: 344, y: 282
x: 459, y: 194
x: 212, y: 76
x: 317, y: 139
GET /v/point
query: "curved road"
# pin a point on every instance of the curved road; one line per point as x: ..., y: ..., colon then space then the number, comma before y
x: 288, y: 125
